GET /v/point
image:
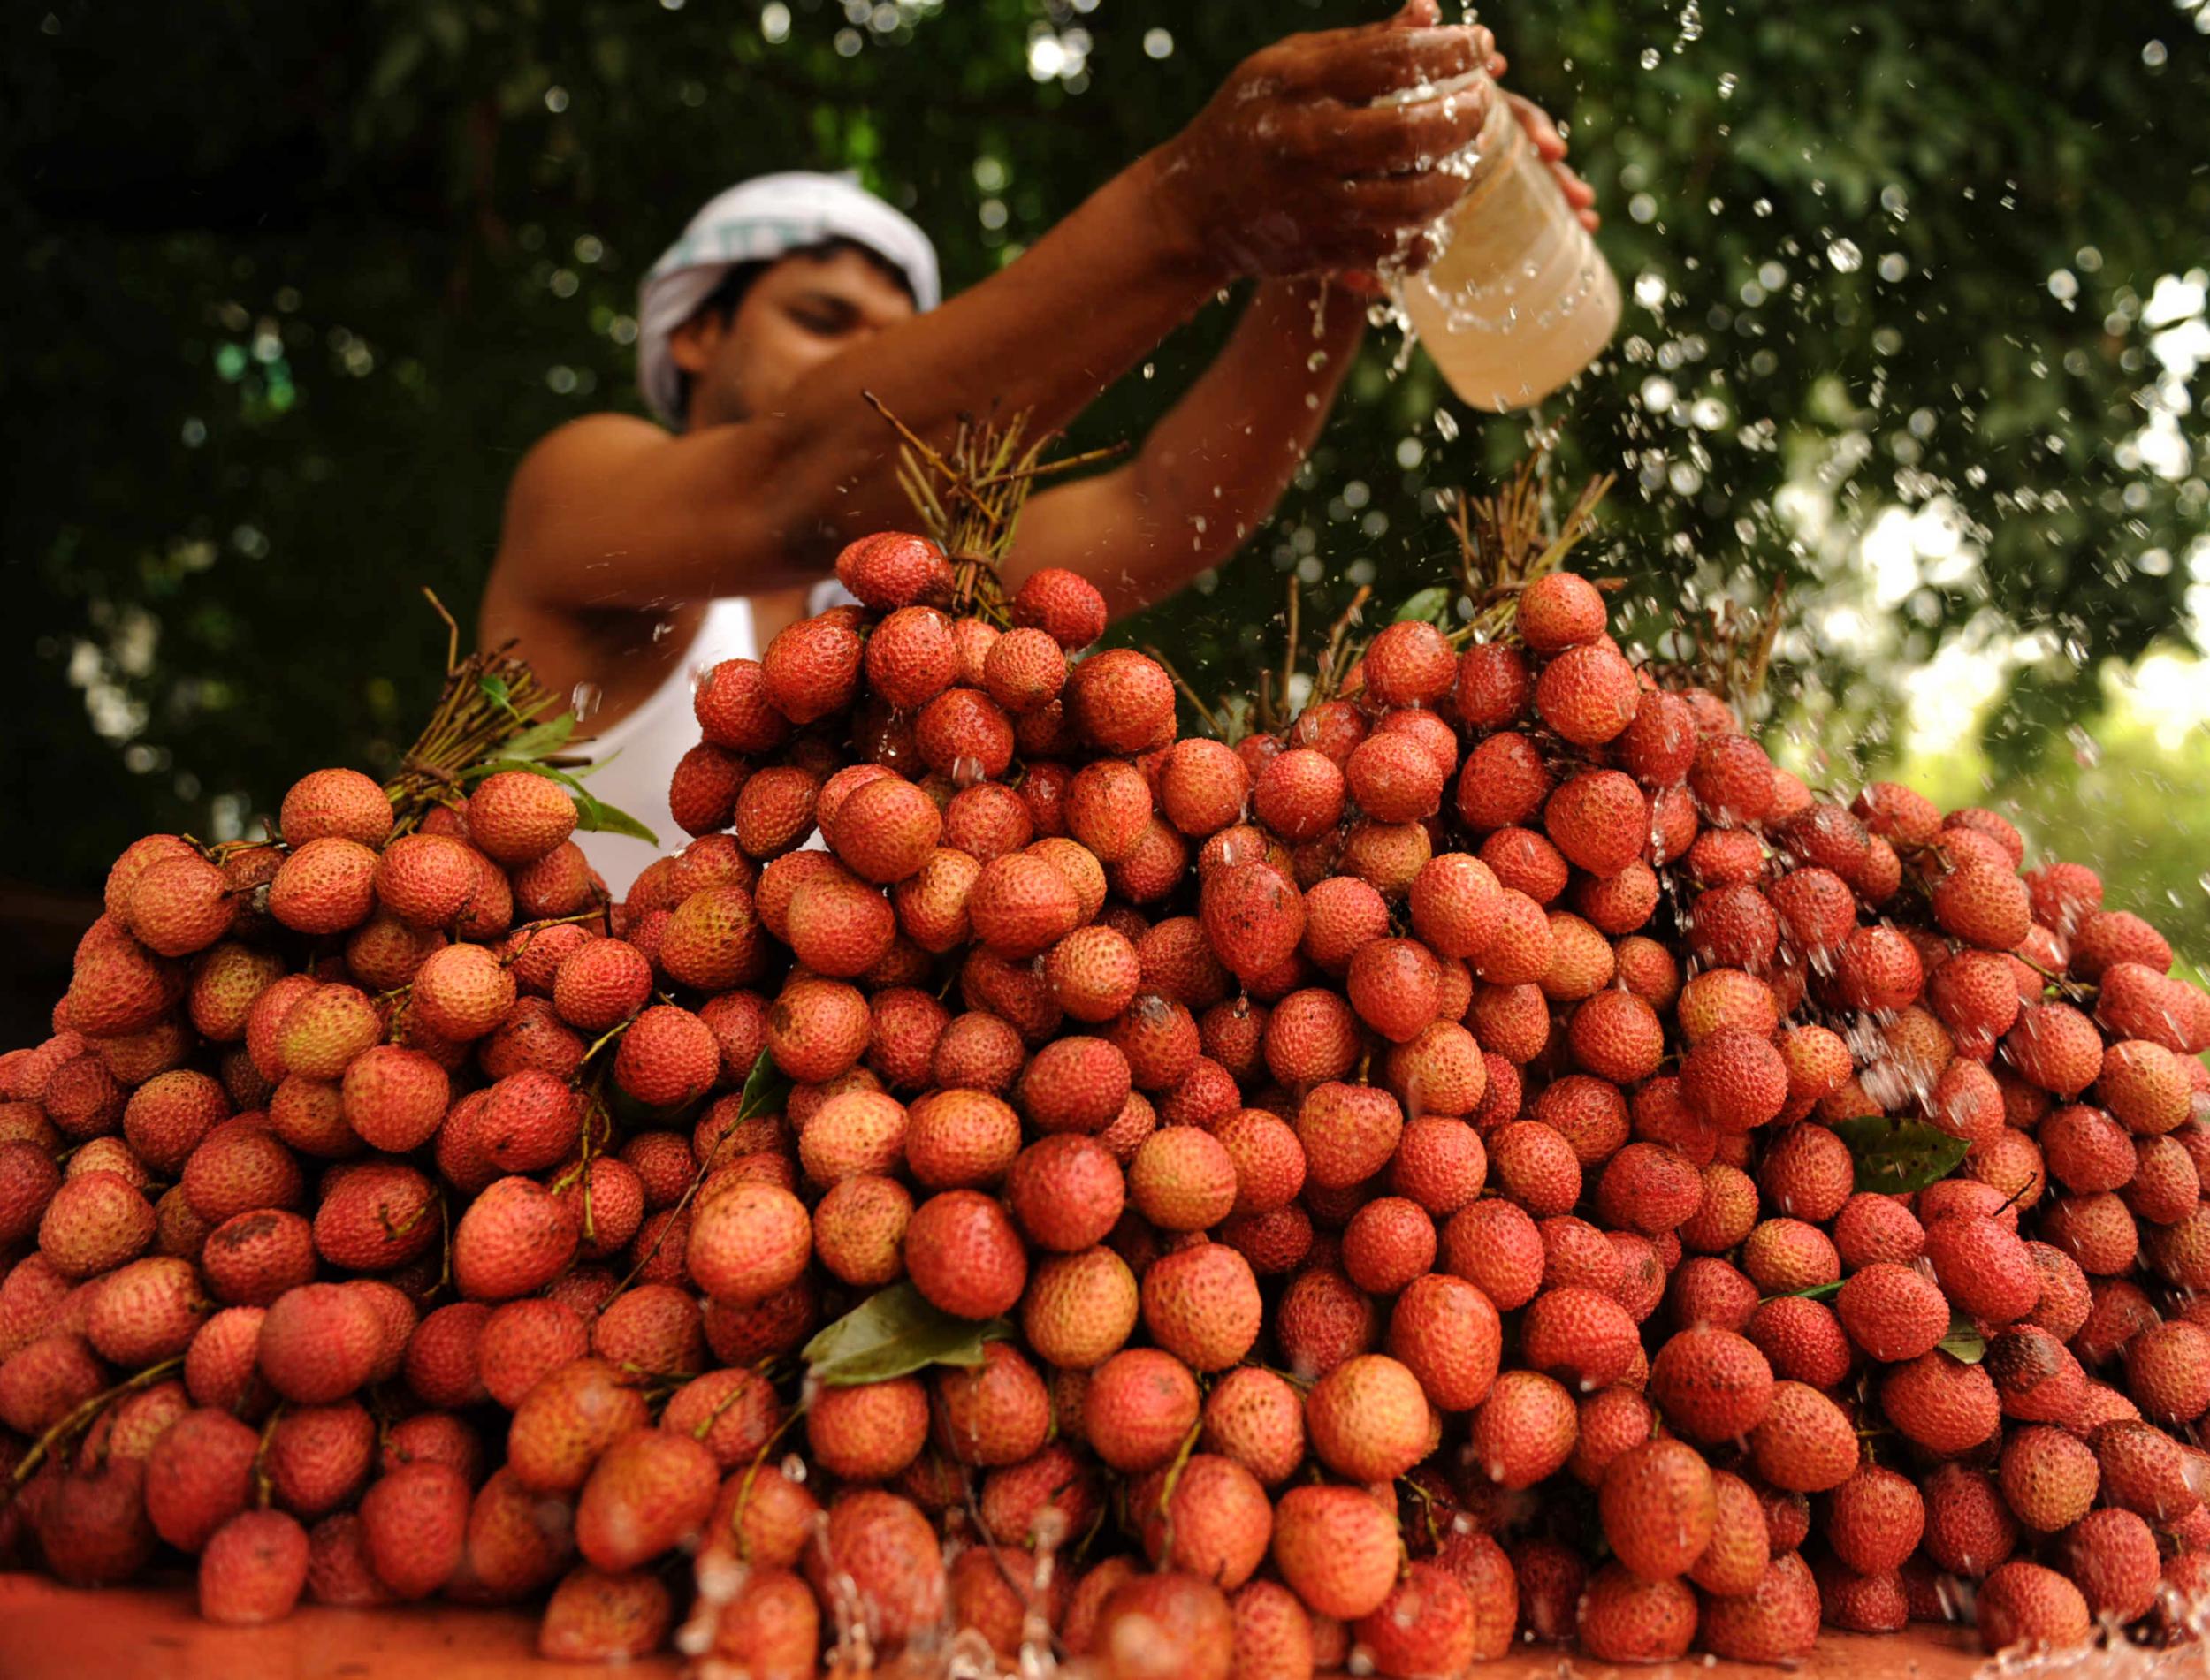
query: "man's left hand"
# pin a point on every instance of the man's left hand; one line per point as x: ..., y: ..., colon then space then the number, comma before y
x: 1550, y: 145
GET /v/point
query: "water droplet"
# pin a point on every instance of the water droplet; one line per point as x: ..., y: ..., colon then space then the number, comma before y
x: 1446, y: 425
x: 1845, y: 256
x: 1650, y: 58
x: 583, y: 700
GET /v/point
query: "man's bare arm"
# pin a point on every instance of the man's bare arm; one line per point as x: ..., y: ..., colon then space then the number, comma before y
x: 614, y: 513
x: 1289, y: 170
x: 1217, y: 462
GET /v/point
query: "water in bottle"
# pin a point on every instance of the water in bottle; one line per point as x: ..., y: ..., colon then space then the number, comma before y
x: 1518, y: 300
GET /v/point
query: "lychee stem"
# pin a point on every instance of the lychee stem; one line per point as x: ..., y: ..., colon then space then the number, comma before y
x: 1333, y: 666
x: 82, y: 1415
x: 412, y: 1219
x: 745, y: 1111
x: 1166, y: 1489
x: 445, y: 1269
x: 970, y: 497
x: 660, y: 1235
x: 489, y: 698
x: 704, y: 1426
x: 603, y: 1039
x: 1502, y: 545
x: 593, y: 1102
x: 751, y: 1474
x: 262, y: 1490
x: 1427, y: 1508
x: 1188, y: 693
x: 532, y: 929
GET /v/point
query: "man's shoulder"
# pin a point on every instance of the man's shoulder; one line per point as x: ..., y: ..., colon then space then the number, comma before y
x: 599, y: 434
x: 573, y: 456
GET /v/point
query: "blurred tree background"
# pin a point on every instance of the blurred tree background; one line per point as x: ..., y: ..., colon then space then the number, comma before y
x: 1915, y: 296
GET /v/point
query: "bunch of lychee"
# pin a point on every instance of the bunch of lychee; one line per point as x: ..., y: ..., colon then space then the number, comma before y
x: 1500, y: 1161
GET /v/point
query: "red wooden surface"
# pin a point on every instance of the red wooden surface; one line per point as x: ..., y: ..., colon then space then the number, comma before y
x: 51, y: 1632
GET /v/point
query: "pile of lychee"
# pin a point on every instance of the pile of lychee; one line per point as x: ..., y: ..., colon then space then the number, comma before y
x: 1500, y: 1161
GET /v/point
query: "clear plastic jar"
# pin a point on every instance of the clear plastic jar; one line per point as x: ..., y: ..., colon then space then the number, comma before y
x: 1518, y: 300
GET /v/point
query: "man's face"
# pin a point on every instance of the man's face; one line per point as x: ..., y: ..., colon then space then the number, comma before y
x: 797, y: 316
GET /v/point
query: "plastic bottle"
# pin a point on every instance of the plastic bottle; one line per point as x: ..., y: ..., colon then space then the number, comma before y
x: 1518, y: 300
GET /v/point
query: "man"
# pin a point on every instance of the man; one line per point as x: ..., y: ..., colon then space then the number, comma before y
x: 633, y: 557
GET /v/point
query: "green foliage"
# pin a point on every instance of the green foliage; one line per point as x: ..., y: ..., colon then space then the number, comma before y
x: 297, y: 284
x: 1895, y: 1156
x: 1962, y: 1341
x: 2130, y: 798
x: 894, y: 1332
x: 766, y: 1088
x: 1432, y: 603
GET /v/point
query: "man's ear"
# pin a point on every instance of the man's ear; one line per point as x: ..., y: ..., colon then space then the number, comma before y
x: 692, y: 346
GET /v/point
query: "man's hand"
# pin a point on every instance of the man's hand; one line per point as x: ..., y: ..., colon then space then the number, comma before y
x: 1550, y: 145
x: 1293, y: 169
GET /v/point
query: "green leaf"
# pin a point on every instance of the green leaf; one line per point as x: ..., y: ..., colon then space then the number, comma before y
x: 497, y: 688
x: 766, y: 1088
x: 894, y: 1332
x: 596, y: 765
x: 1964, y: 1341
x: 553, y: 772
x: 1895, y: 1156
x: 395, y: 65
x: 542, y: 739
x: 598, y: 818
x: 1816, y: 1292
x: 1432, y: 603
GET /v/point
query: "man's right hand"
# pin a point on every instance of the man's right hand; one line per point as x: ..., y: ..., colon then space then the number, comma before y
x: 1293, y: 169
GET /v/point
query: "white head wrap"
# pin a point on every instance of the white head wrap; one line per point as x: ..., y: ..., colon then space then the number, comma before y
x: 758, y: 221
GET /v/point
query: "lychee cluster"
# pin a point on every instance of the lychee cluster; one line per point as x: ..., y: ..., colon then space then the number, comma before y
x: 1499, y: 1160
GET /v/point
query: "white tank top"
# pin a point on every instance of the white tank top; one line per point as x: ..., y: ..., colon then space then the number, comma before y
x: 638, y: 755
